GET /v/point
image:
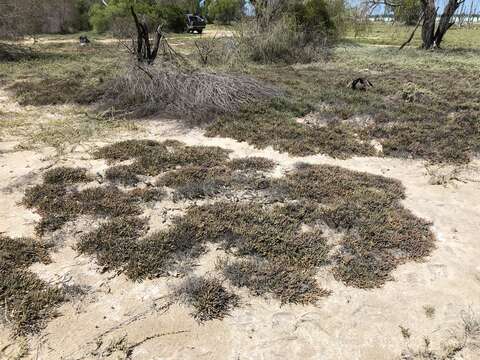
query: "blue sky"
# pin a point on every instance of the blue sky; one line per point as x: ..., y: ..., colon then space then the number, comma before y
x: 440, y: 4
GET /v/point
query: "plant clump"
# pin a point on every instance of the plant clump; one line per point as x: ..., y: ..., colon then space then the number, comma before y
x: 209, y: 298
x: 273, y: 125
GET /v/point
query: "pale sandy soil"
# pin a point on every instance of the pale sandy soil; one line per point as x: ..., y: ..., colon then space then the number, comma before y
x: 116, y: 313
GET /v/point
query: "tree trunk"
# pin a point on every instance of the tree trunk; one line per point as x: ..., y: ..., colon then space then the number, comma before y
x: 446, y: 20
x: 431, y: 37
x: 428, y: 27
x: 144, y: 51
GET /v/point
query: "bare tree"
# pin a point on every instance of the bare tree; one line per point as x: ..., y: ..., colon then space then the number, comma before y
x: 144, y: 50
x: 432, y: 33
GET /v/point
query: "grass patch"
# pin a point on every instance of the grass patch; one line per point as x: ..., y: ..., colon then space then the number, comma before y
x: 410, y: 115
x: 26, y: 301
x: 329, y: 184
x: 58, y: 204
x: 118, y: 246
x: 66, y: 176
x: 207, y: 296
x: 253, y: 163
x: 284, y: 283
x: 198, y: 182
x: 55, y: 91
x: 265, y: 126
x: 113, y: 243
x: 380, y: 233
x: 152, y: 157
x: 122, y: 174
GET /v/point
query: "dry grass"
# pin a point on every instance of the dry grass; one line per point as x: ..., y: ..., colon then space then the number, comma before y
x: 55, y: 91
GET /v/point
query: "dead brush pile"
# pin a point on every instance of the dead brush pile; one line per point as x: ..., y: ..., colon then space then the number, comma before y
x: 190, y: 95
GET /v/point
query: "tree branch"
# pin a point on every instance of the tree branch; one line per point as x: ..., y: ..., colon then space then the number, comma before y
x: 413, y: 32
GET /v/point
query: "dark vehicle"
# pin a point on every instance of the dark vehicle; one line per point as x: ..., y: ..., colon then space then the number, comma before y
x: 195, y: 23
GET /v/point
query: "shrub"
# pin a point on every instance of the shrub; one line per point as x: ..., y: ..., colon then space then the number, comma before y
x: 300, y: 34
x: 313, y: 18
x: 281, y: 41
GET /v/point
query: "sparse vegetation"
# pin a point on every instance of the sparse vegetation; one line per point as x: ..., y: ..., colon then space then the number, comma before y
x: 379, y: 234
x: 405, y: 332
x: 273, y: 81
x: 462, y: 340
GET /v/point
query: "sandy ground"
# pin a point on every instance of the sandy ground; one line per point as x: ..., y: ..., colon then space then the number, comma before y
x: 115, y: 313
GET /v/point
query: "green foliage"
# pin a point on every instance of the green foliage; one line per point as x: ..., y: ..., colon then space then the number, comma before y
x: 81, y: 21
x: 102, y: 17
x: 170, y: 14
x: 313, y: 17
x: 299, y: 33
x: 408, y: 12
x: 225, y: 11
